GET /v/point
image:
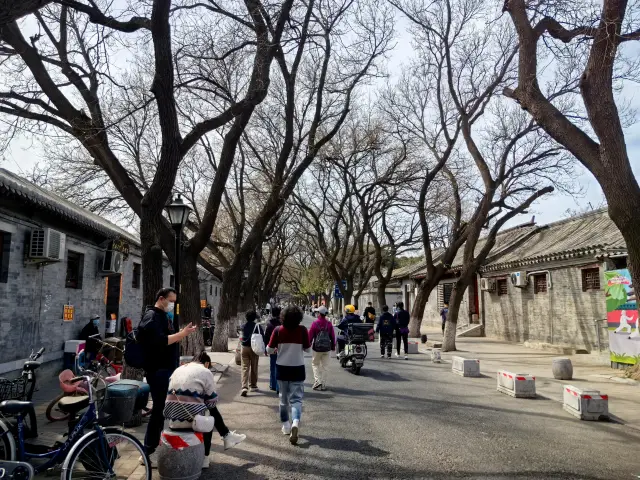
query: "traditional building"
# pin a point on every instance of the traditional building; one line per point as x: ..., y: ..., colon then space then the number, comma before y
x: 60, y: 264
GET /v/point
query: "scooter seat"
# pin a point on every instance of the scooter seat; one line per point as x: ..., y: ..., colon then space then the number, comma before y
x: 15, y: 407
x: 73, y: 404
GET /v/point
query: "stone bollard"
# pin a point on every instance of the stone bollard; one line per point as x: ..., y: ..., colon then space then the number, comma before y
x: 180, y: 455
x: 562, y: 369
x: 436, y: 356
x: 585, y: 404
x: 519, y: 385
x: 466, y: 367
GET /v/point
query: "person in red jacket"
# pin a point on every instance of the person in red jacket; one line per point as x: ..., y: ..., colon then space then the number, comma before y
x: 323, y: 340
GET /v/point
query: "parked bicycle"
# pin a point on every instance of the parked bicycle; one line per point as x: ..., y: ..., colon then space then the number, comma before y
x: 90, y: 449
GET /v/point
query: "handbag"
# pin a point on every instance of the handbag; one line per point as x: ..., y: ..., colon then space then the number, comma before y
x: 199, y: 423
x: 404, y: 330
x: 257, y: 342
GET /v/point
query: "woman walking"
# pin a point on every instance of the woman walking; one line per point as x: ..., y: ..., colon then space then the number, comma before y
x: 291, y: 341
x: 402, y: 333
x: 323, y: 340
x: 249, y: 358
x: 274, y: 322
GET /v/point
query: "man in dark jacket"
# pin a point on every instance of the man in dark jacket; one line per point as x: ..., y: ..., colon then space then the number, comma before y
x: 272, y: 324
x: 386, y: 327
x: 370, y: 313
x: 402, y: 330
x: 250, y: 359
x: 349, y: 318
x: 160, y: 344
x: 92, y: 347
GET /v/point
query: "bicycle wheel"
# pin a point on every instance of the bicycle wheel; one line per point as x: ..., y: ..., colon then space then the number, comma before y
x: 7, y: 444
x: 53, y: 413
x: 114, y: 455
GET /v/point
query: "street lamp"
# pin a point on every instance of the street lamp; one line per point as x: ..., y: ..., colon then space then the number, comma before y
x: 178, y: 213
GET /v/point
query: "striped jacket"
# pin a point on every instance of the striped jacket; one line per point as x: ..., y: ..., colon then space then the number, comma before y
x: 291, y: 345
x: 192, y: 391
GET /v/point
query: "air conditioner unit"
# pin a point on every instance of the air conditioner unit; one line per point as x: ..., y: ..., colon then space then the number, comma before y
x: 46, y: 244
x: 112, y: 262
x: 519, y: 279
x: 487, y: 284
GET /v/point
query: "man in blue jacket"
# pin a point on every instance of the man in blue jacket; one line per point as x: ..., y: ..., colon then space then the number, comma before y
x: 386, y: 326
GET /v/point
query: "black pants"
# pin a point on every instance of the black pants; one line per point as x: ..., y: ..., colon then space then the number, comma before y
x: 219, y: 426
x: 386, y: 343
x: 443, y: 328
x: 405, y: 339
x: 341, y: 343
x: 159, y: 384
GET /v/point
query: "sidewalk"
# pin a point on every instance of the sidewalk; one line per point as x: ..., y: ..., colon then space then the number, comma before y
x: 624, y: 394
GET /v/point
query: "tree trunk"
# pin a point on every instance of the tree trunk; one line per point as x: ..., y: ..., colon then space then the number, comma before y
x: 152, y: 273
x: 417, y: 311
x: 457, y: 295
x: 226, y: 322
x: 382, y: 295
x: 190, y: 305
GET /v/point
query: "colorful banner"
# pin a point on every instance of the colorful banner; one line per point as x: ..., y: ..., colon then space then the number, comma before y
x: 622, y: 317
x: 203, y: 304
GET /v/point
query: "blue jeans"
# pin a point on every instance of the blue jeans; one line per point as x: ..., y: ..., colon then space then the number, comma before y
x: 273, y: 383
x: 291, y: 394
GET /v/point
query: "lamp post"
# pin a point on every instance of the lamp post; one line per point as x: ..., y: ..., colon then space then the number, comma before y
x: 178, y: 213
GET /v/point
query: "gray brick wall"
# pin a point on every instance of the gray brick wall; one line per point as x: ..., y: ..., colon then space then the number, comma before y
x: 431, y: 316
x: 564, y: 315
x: 31, y: 302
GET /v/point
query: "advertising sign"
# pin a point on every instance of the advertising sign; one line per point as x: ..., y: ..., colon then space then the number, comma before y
x: 67, y: 313
x: 622, y: 317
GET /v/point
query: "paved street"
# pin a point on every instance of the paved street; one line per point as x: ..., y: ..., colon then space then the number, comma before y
x: 415, y: 419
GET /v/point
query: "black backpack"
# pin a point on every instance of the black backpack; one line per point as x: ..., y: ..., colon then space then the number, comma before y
x: 322, y: 341
x: 133, y: 349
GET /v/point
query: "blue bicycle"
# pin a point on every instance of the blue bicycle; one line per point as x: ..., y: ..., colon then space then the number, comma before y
x: 91, y: 451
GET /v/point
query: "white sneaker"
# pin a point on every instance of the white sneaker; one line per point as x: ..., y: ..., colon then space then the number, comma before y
x: 286, y: 428
x: 397, y: 355
x: 406, y: 357
x: 206, y: 462
x: 232, y: 439
x: 382, y: 356
x: 294, y: 432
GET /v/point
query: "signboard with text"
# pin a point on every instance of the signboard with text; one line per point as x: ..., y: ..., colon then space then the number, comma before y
x: 336, y: 290
x: 622, y: 317
x: 68, y: 313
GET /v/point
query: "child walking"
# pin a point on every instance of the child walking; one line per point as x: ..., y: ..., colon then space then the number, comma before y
x: 290, y: 340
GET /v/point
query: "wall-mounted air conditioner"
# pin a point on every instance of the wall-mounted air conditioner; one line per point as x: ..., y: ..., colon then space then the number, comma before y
x: 112, y: 262
x: 519, y: 279
x: 46, y: 244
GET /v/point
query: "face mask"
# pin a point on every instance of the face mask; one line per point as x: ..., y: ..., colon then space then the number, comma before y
x: 96, y: 322
x: 169, y: 307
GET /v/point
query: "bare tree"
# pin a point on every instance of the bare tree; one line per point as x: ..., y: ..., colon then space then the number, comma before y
x: 589, y: 40
x: 63, y: 78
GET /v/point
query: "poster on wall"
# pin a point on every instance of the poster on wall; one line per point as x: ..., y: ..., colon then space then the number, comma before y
x: 622, y: 317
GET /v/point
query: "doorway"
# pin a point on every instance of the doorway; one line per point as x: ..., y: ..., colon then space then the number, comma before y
x: 113, y: 295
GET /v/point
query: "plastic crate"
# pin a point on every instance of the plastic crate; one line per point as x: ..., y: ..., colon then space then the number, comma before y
x: 13, y: 389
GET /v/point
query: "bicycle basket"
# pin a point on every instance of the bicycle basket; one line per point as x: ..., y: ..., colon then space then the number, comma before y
x: 13, y: 389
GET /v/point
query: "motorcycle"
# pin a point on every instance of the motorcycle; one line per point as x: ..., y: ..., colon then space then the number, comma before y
x: 355, y: 350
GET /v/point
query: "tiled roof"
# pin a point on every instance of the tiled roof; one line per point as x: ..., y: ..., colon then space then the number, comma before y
x: 504, y: 240
x: 18, y: 187
x: 591, y: 234
x: 407, y: 270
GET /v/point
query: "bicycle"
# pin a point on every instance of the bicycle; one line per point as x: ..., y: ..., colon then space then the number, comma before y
x: 103, y: 452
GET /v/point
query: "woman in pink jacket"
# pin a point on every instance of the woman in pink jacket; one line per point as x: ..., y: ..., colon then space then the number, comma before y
x: 323, y: 340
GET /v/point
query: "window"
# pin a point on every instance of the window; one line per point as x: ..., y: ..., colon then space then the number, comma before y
x: 210, y: 289
x: 216, y: 291
x: 590, y: 279
x: 75, y: 269
x: 619, y: 263
x: 540, y: 283
x: 501, y: 286
x: 5, y: 248
x: 444, y: 293
x: 135, y: 282
x: 172, y: 281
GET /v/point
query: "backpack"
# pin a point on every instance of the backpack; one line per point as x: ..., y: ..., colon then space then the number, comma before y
x: 133, y: 351
x: 322, y: 341
x: 257, y: 342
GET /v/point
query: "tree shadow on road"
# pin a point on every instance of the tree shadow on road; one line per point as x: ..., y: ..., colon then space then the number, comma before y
x: 384, y: 376
x: 363, y: 447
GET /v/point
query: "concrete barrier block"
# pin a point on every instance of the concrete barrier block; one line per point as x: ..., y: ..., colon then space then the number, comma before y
x: 519, y: 385
x: 413, y: 347
x: 467, y: 367
x: 585, y: 404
